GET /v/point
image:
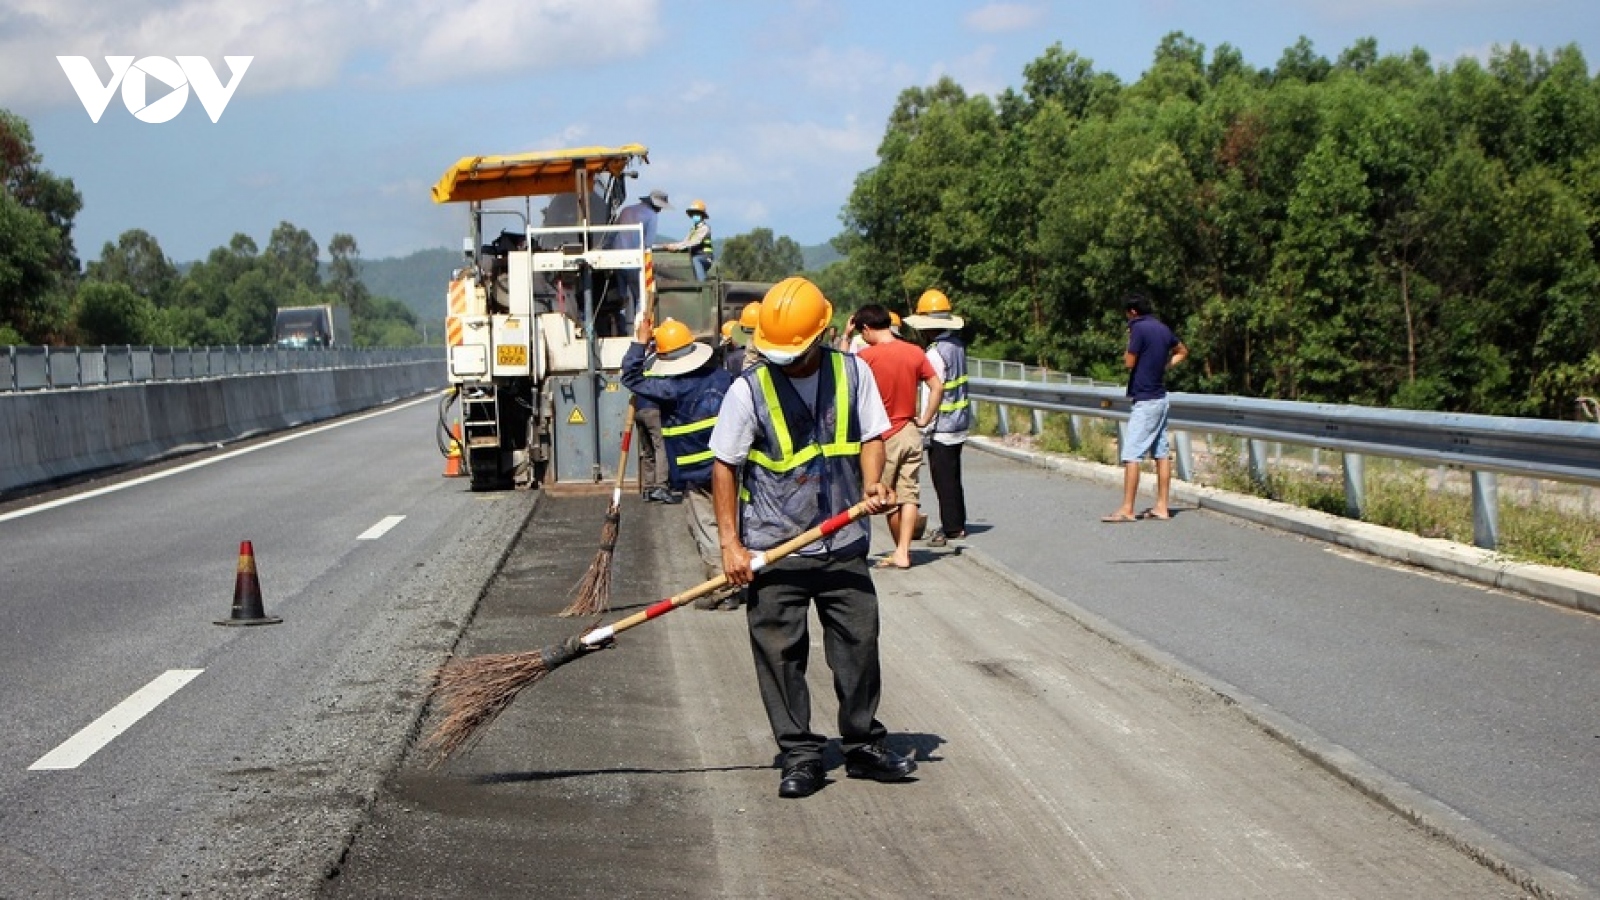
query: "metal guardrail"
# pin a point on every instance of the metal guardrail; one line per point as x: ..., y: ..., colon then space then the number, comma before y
x: 1483, y: 445
x: 65, y: 368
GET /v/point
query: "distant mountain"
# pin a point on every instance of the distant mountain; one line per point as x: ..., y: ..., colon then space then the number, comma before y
x: 819, y: 256
x: 418, y: 280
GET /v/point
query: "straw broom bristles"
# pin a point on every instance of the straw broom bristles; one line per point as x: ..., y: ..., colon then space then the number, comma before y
x: 594, y: 591
x: 473, y: 691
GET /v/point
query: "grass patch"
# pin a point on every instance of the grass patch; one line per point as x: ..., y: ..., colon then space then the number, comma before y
x: 1410, y: 501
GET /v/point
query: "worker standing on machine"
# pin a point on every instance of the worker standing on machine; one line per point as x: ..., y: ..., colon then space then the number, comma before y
x: 698, y: 241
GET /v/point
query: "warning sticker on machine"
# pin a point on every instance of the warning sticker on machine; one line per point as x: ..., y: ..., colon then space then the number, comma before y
x: 576, y: 418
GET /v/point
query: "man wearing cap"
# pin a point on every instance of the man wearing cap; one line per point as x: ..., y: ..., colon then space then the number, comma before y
x: 644, y: 214
x: 686, y: 385
x: 799, y: 438
x: 948, y: 355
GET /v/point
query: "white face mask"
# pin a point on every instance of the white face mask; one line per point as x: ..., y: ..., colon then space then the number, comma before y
x: 781, y: 358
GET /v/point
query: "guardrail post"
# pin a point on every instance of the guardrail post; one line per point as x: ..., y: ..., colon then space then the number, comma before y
x: 1075, y: 431
x: 1257, y: 452
x: 1180, y: 442
x: 1355, y: 485
x: 1005, y: 420
x: 1486, y: 510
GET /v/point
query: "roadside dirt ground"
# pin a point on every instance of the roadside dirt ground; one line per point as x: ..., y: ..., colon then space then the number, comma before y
x: 1053, y: 763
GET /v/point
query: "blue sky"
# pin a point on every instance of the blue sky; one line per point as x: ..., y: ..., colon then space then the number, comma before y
x: 349, y: 111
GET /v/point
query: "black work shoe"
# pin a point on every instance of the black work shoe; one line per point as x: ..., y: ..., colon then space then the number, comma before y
x: 878, y: 763
x: 663, y: 495
x: 800, y: 779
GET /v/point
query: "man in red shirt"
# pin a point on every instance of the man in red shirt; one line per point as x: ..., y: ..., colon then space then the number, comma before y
x: 899, y: 367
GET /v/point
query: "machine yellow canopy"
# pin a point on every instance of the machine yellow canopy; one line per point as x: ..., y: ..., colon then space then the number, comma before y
x: 530, y: 174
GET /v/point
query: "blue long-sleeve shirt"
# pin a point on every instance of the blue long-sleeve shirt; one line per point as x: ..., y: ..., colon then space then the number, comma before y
x: 689, y: 405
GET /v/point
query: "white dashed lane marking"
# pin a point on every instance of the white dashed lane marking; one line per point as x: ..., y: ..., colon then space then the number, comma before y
x: 76, y: 750
x: 381, y: 529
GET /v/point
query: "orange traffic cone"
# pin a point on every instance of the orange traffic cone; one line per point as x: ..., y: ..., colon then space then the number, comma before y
x: 452, y: 460
x: 247, y: 609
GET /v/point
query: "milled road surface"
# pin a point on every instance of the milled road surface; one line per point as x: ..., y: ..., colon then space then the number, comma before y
x: 1054, y: 763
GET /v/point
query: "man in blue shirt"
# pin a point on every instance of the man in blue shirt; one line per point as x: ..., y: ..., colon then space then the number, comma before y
x: 1152, y: 349
x: 645, y: 214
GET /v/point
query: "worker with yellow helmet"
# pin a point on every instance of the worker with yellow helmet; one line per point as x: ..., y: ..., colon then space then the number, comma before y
x: 798, y: 439
x: 936, y: 320
x: 736, y: 335
x: 668, y: 367
x: 698, y: 241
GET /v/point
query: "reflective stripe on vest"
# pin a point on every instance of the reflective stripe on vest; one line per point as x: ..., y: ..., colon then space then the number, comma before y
x: 685, y: 460
x: 950, y: 390
x: 795, y: 477
x: 955, y: 410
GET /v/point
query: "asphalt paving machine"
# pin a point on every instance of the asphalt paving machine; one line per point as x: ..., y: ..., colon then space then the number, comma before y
x: 536, y: 325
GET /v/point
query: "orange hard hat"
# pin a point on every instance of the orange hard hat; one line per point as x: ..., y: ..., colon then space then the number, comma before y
x: 672, y: 336
x: 794, y: 313
x: 698, y: 206
x: 894, y: 319
x: 677, y: 352
x: 749, y: 315
x: 727, y: 329
x: 932, y: 300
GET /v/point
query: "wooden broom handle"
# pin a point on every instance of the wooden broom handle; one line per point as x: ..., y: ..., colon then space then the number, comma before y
x: 758, y: 561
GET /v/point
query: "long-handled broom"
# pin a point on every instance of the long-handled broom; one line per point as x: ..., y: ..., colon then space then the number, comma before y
x: 594, y: 591
x: 471, y: 692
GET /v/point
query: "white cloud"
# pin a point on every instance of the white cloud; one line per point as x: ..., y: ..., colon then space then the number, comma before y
x: 847, y: 70
x: 1364, y: 10
x: 1002, y: 17
x: 574, y: 135
x: 308, y: 43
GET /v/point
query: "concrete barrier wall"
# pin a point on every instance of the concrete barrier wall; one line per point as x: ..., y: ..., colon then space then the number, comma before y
x: 45, y: 436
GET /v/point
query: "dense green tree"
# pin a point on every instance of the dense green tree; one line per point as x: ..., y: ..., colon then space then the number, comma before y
x: 114, y: 313
x: 344, y: 275
x: 1374, y: 230
x: 38, y: 265
x: 137, y: 261
x: 291, y: 256
x: 758, y: 256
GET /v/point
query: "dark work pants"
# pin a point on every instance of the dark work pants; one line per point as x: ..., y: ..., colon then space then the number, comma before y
x: 778, y: 615
x: 944, y: 468
x: 652, y: 448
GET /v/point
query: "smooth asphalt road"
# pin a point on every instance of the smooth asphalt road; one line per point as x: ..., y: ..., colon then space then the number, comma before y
x: 264, y: 759
x: 1484, y: 701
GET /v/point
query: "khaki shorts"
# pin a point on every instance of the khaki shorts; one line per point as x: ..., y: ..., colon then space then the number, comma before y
x: 902, y: 465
